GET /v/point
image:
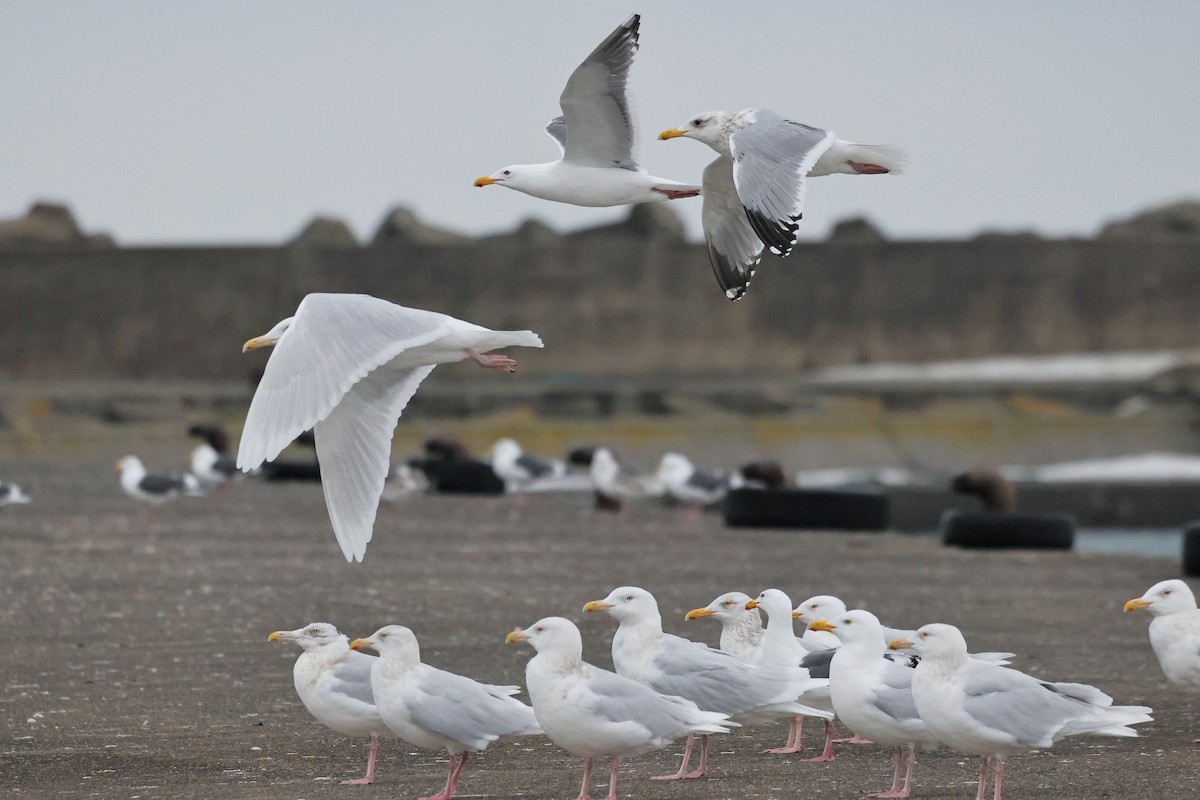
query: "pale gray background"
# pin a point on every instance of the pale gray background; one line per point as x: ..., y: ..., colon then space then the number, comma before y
x: 225, y: 121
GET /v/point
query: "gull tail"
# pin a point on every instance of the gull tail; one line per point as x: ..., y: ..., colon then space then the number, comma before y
x: 891, y: 159
x: 514, y: 339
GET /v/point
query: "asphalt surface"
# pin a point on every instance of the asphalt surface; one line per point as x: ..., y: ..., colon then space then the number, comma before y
x: 135, y: 662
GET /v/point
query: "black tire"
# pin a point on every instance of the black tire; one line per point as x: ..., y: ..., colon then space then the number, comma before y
x: 984, y: 530
x: 461, y: 477
x: 809, y: 509
x: 291, y: 471
x: 1191, y: 551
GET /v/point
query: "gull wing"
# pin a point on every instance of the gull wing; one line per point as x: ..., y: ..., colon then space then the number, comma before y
x: 556, y: 129
x: 473, y: 713
x: 733, y: 248
x: 354, y: 446
x: 599, y: 124
x: 771, y: 158
x: 333, y: 342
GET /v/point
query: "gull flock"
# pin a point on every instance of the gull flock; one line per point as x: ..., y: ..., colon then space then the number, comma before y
x: 346, y: 365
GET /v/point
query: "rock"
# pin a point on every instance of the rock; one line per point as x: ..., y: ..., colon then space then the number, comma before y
x: 856, y: 230
x: 1173, y: 221
x: 325, y: 232
x: 401, y: 225
x: 43, y: 224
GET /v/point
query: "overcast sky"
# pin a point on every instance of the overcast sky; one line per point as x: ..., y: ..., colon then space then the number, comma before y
x: 234, y: 121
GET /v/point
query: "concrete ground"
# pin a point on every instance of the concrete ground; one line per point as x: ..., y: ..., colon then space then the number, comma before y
x: 135, y: 662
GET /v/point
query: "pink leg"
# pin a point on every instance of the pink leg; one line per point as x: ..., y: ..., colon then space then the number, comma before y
x: 827, y: 753
x: 493, y: 362
x: 452, y: 770
x: 702, y: 770
x: 372, y: 750
x: 855, y: 739
x: 682, y: 771
x: 678, y: 194
x: 587, y: 776
x: 908, y: 769
x: 868, y: 169
x: 997, y: 776
x: 793, y: 741
x: 983, y: 771
x: 612, y: 777
x: 894, y: 792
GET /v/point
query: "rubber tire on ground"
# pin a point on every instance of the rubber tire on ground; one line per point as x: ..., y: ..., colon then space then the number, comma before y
x: 810, y: 509
x: 1191, y: 551
x: 985, y: 530
x: 291, y: 471
x: 461, y: 477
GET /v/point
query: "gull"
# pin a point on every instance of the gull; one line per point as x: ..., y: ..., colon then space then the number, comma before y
x: 992, y: 711
x: 872, y: 695
x: 432, y: 708
x: 1174, y: 631
x: 683, y: 483
x: 11, y: 495
x: 334, y: 684
x: 741, y: 627
x: 713, y: 680
x: 613, y: 482
x: 212, y: 463
x: 754, y: 190
x: 593, y: 713
x: 780, y: 646
x: 596, y: 135
x: 154, y: 488
x: 519, y: 469
x: 346, y: 365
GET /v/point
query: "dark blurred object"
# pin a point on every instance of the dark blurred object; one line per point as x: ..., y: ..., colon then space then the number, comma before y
x: 581, y: 456
x: 806, y: 509
x: 211, y: 434
x: 48, y: 225
x: 996, y: 492
x: 459, y: 476
x: 763, y: 475
x: 982, y: 530
x: 1191, y: 551
x: 447, y: 449
x: 291, y: 471
x: 1174, y: 221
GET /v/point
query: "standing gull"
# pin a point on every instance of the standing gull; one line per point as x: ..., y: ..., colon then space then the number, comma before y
x: 713, y: 680
x: 683, y: 483
x: 992, y: 712
x: 1174, y: 631
x: 431, y: 708
x: 872, y: 695
x: 596, y: 136
x: 741, y: 627
x: 12, y: 495
x: 593, y: 713
x: 334, y: 683
x: 154, y: 488
x: 346, y: 365
x: 518, y: 469
x: 754, y: 190
x: 211, y: 461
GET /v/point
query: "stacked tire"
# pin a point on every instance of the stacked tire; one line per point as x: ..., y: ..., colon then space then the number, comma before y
x: 806, y: 509
x: 986, y: 530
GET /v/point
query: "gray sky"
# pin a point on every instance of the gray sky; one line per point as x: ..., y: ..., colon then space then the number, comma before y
x: 233, y: 121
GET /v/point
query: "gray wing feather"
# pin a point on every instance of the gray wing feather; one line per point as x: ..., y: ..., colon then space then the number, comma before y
x: 556, y: 129
x: 771, y: 158
x: 619, y: 699
x: 716, y: 681
x: 599, y: 124
x: 467, y: 711
x: 708, y: 481
x: 352, y: 677
x: 733, y: 248
x: 161, y: 483
x: 895, y: 696
x: 817, y: 663
x: 1019, y: 705
x: 536, y: 467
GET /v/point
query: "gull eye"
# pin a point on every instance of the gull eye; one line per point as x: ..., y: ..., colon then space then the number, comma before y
x: 383, y: 636
x: 813, y: 606
x: 507, y: 172
x: 699, y: 123
x: 925, y: 635
x: 315, y: 632
x: 727, y: 603
x: 539, y: 629
x: 1166, y: 592
x: 629, y: 597
x: 847, y: 622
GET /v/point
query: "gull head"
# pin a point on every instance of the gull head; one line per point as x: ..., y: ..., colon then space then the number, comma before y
x: 310, y: 637
x: 1163, y: 598
x: 509, y: 176
x: 269, y: 338
x: 774, y: 602
x: 390, y: 639
x: 853, y: 626
x: 550, y: 635
x: 708, y: 127
x: 935, y: 641
x: 674, y: 468
x: 726, y: 608
x: 822, y: 606
x: 128, y: 464
x: 604, y: 466
x: 626, y: 604
x: 505, y: 451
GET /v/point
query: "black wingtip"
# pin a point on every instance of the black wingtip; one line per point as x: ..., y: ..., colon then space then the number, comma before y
x: 734, y: 279
x: 779, y: 237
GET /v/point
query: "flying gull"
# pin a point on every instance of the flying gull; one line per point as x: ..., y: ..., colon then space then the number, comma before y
x: 431, y: 708
x: 346, y: 365
x: 593, y: 713
x: 334, y: 684
x: 596, y: 134
x: 754, y: 190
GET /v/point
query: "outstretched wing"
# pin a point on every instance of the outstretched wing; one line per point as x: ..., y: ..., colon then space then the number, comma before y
x: 771, y: 158
x: 599, y: 124
x: 733, y: 247
x: 556, y: 129
x: 354, y: 445
x: 333, y: 342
